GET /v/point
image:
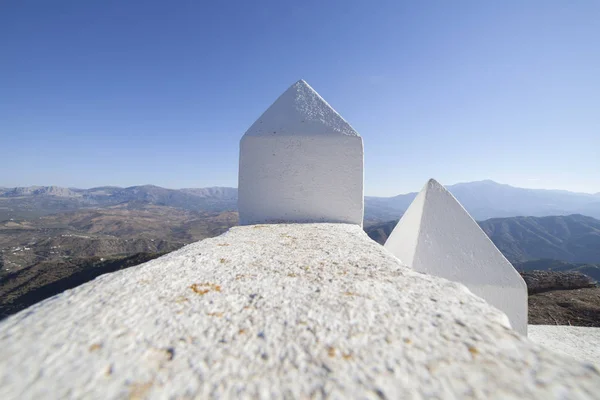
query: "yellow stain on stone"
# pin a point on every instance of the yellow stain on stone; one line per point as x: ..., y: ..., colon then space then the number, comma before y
x: 203, y: 288
x: 95, y: 347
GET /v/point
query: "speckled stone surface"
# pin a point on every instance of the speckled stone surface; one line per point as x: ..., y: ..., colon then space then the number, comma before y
x: 300, y: 110
x: 580, y: 342
x: 277, y: 311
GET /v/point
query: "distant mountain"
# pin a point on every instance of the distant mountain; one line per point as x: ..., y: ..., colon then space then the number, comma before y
x: 488, y: 199
x: 35, y: 201
x: 222, y: 193
x: 483, y: 200
x: 570, y: 238
x: 37, y: 191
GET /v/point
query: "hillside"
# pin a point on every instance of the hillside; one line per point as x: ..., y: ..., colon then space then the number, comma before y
x: 591, y: 270
x: 571, y: 238
x: 135, y: 227
x: 578, y: 307
x: 58, y: 238
x: 37, y: 282
x: 105, y: 232
x: 43, y: 256
x: 562, y: 298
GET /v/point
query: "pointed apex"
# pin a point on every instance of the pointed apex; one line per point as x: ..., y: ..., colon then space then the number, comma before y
x: 433, y: 184
x: 300, y: 111
x: 437, y: 236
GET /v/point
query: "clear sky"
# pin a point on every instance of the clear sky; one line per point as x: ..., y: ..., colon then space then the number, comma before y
x: 111, y: 92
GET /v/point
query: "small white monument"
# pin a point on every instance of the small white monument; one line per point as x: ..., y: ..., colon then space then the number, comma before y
x: 437, y: 236
x: 301, y: 162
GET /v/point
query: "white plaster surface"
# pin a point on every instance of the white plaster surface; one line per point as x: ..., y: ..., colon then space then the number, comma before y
x: 437, y: 236
x: 277, y: 311
x: 300, y: 110
x: 579, y: 342
x: 301, y: 162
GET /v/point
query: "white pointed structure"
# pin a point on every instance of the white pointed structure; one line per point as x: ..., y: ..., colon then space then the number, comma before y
x: 437, y: 236
x: 300, y: 162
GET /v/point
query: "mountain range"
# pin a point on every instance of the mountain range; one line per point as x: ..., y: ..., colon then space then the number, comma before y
x: 56, y: 222
x: 483, y: 199
x: 570, y: 238
x: 35, y: 201
x: 489, y: 199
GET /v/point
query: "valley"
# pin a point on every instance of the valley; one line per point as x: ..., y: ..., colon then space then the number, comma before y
x: 120, y: 230
x: 53, y: 239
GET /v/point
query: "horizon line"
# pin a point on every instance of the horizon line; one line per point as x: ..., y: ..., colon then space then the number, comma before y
x: 233, y: 187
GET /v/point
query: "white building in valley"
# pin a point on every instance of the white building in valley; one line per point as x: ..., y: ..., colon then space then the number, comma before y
x: 301, y: 162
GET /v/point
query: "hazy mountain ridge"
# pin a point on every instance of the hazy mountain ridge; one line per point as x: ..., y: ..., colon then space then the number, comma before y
x: 483, y: 199
x: 104, y: 191
x: 36, y: 201
x: 37, y: 191
x: 489, y: 199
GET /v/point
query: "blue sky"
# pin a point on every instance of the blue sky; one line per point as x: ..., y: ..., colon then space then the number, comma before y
x: 103, y: 92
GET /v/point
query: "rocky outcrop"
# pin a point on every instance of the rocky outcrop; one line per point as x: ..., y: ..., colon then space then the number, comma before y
x: 545, y: 281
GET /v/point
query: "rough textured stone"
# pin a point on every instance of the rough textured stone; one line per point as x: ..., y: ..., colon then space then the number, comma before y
x: 272, y: 311
x: 300, y: 110
x: 579, y: 342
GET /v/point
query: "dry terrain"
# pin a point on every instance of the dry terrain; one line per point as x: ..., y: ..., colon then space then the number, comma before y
x: 45, y: 254
x: 577, y: 307
x: 105, y: 232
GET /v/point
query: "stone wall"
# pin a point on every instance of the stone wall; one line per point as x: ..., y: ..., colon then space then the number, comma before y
x: 277, y: 311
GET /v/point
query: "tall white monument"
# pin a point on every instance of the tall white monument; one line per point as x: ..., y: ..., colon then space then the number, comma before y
x: 301, y: 162
x: 437, y: 236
